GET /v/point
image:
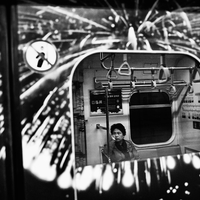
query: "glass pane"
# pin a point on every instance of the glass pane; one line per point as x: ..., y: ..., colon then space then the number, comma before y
x: 49, y: 98
x: 152, y: 122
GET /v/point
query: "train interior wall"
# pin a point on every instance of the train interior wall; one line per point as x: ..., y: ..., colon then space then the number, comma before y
x: 185, y: 110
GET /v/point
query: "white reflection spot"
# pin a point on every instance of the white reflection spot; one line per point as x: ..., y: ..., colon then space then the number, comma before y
x: 187, y: 158
x: 186, y: 184
x: 196, y: 162
x: 171, y: 162
x: 168, y: 191
x: 187, y: 192
x: 174, y: 190
x: 114, y: 170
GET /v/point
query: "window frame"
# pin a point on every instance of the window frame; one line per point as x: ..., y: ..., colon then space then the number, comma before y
x: 156, y: 144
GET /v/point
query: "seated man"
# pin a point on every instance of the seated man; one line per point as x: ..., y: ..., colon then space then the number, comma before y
x: 121, y: 149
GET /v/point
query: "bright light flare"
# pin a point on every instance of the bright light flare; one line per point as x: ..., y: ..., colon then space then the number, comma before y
x: 196, y: 162
x: 97, y: 173
x: 83, y: 180
x: 187, y: 158
x: 128, y: 177
x: 147, y: 174
x: 108, y: 178
x: 171, y: 163
x: 65, y: 179
x: 3, y: 153
x: 41, y: 168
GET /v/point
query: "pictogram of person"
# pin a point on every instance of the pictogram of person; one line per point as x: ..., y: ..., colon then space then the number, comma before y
x: 41, y: 59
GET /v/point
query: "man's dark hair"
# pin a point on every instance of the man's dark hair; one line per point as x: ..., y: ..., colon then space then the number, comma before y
x: 118, y: 126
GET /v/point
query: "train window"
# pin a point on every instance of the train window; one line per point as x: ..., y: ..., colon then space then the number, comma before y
x: 150, y: 118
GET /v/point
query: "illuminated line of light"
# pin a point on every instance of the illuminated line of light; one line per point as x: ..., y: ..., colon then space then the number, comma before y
x: 65, y: 156
x: 1, y: 108
x: 97, y: 174
x: 116, y: 14
x: 75, y: 16
x: 147, y: 174
x: 44, y: 104
x: 56, y: 127
x: 135, y: 172
x: 137, y: 185
x: 95, y: 41
x: 86, y: 178
x: 169, y: 176
x: 135, y: 168
x: 2, y: 130
x: 163, y: 164
x: 119, y: 176
x: 148, y: 163
x: 65, y: 180
x: 27, y: 126
x: 3, y: 153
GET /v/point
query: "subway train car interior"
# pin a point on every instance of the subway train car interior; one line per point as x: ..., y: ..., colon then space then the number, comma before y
x: 153, y: 94
x: 99, y: 99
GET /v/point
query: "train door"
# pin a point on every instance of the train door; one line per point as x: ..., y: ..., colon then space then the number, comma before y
x: 11, y: 171
x: 3, y: 61
x: 145, y: 91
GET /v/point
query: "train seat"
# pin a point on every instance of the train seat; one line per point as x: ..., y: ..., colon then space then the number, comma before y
x: 161, y: 151
x: 170, y: 150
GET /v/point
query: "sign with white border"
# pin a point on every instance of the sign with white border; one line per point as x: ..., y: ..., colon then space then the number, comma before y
x: 40, y: 55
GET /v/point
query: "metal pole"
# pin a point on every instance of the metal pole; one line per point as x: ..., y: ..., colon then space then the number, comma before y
x: 107, y: 118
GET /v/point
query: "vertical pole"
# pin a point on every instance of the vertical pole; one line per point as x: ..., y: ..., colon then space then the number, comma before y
x: 107, y: 118
x: 162, y: 60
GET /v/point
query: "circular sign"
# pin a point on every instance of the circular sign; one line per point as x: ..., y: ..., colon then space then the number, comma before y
x: 40, y: 55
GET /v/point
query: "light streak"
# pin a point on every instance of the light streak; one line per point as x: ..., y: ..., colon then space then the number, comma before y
x: 97, y: 173
x: 132, y: 37
x: 128, y: 178
x: 65, y: 156
x: 3, y: 153
x: 65, y: 180
x: 44, y: 104
x: 135, y: 172
x: 107, y: 178
x: 75, y: 16
x: 163, y: 164
x: 169, y: 177
x: 119, y: 175
x: 147, y: 174
x: 24, y: 130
